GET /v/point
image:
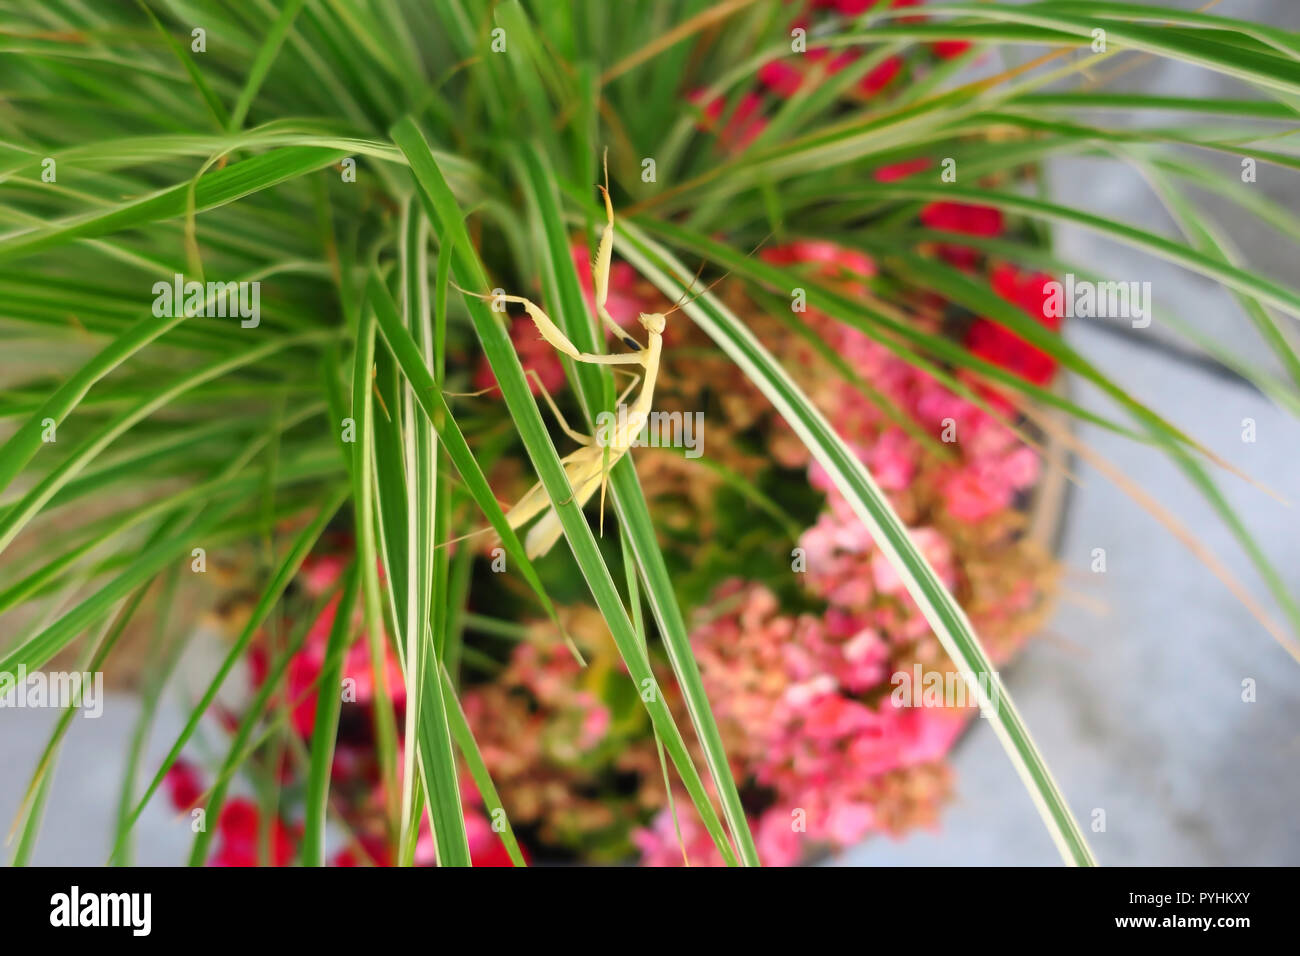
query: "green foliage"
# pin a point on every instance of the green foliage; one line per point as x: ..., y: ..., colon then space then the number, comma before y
x: 128, y: 155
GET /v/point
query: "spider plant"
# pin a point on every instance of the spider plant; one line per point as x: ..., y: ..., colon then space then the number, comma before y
x: 362, y: 160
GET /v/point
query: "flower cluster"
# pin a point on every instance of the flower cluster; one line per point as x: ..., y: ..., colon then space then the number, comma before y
x: 789, y: 694
x: 804, y: 699
x: 740, y: 124
x: 358, y: 789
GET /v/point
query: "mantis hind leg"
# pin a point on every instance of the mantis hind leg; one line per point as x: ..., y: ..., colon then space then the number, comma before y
x: 606, y: 463
x: 577, y: 466
x: 528, y: 507
x: 605, y: 466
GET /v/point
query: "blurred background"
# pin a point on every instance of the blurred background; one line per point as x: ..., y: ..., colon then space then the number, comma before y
x: 1134, y: 693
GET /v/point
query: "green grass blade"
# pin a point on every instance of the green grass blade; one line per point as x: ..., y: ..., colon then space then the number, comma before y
x: 570, y: 313
x: 262, y: 62
x: 468, y: 273
x: 213, y: 190
x: 468, y: 746
x: 288, y: 567
x: 256, y: 709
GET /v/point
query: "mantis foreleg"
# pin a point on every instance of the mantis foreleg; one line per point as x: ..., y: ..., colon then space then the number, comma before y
x: 600, y: 268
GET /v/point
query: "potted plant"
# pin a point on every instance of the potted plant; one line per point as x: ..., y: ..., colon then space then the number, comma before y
x: 272, y: 267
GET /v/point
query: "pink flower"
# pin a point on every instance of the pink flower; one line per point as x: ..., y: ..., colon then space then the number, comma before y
x: 848, y: 823
x: 933, y: 547
x: 1021, y: 467
x: 976, y: 492
x: 659, y: 845
x: 777, y: 840
x: 595, y: 721
x: 833, y: 716
x: 835, y: 262
x: 792, y: 692
x: 931, y: 731
x: 319, y: 572
x: 893, y: 460
x: 864, y: 661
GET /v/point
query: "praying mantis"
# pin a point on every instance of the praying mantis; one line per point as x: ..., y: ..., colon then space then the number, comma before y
x: 588, y: 467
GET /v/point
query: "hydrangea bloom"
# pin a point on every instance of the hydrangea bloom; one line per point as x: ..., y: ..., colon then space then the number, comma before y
x: 803, y: 700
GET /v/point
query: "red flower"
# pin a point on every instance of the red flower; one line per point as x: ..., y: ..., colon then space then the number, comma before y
x: 908, y: 3
x: 837, y: 63
x: 1027, y: 290
x: 184, y: 786
x: 485, y: 846
x: 373, y: 851
x: 258, y: 665
x: 781, y: 77
x: 897, y: 171
x: 994, y: 343
x: 239, y: 831
x: 834, y: 262
x: 494, y: 854
x: 965, y: 218
x: 743, y: 125
x: 880, y: 77
x: 950, y: 49
x: 961, y: 217
x: 851, y: 8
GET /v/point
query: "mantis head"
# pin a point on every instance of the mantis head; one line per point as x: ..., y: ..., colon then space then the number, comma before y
x: 653, y: 322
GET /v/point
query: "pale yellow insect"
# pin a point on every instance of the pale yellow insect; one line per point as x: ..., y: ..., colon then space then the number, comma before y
x: 587, y: 468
